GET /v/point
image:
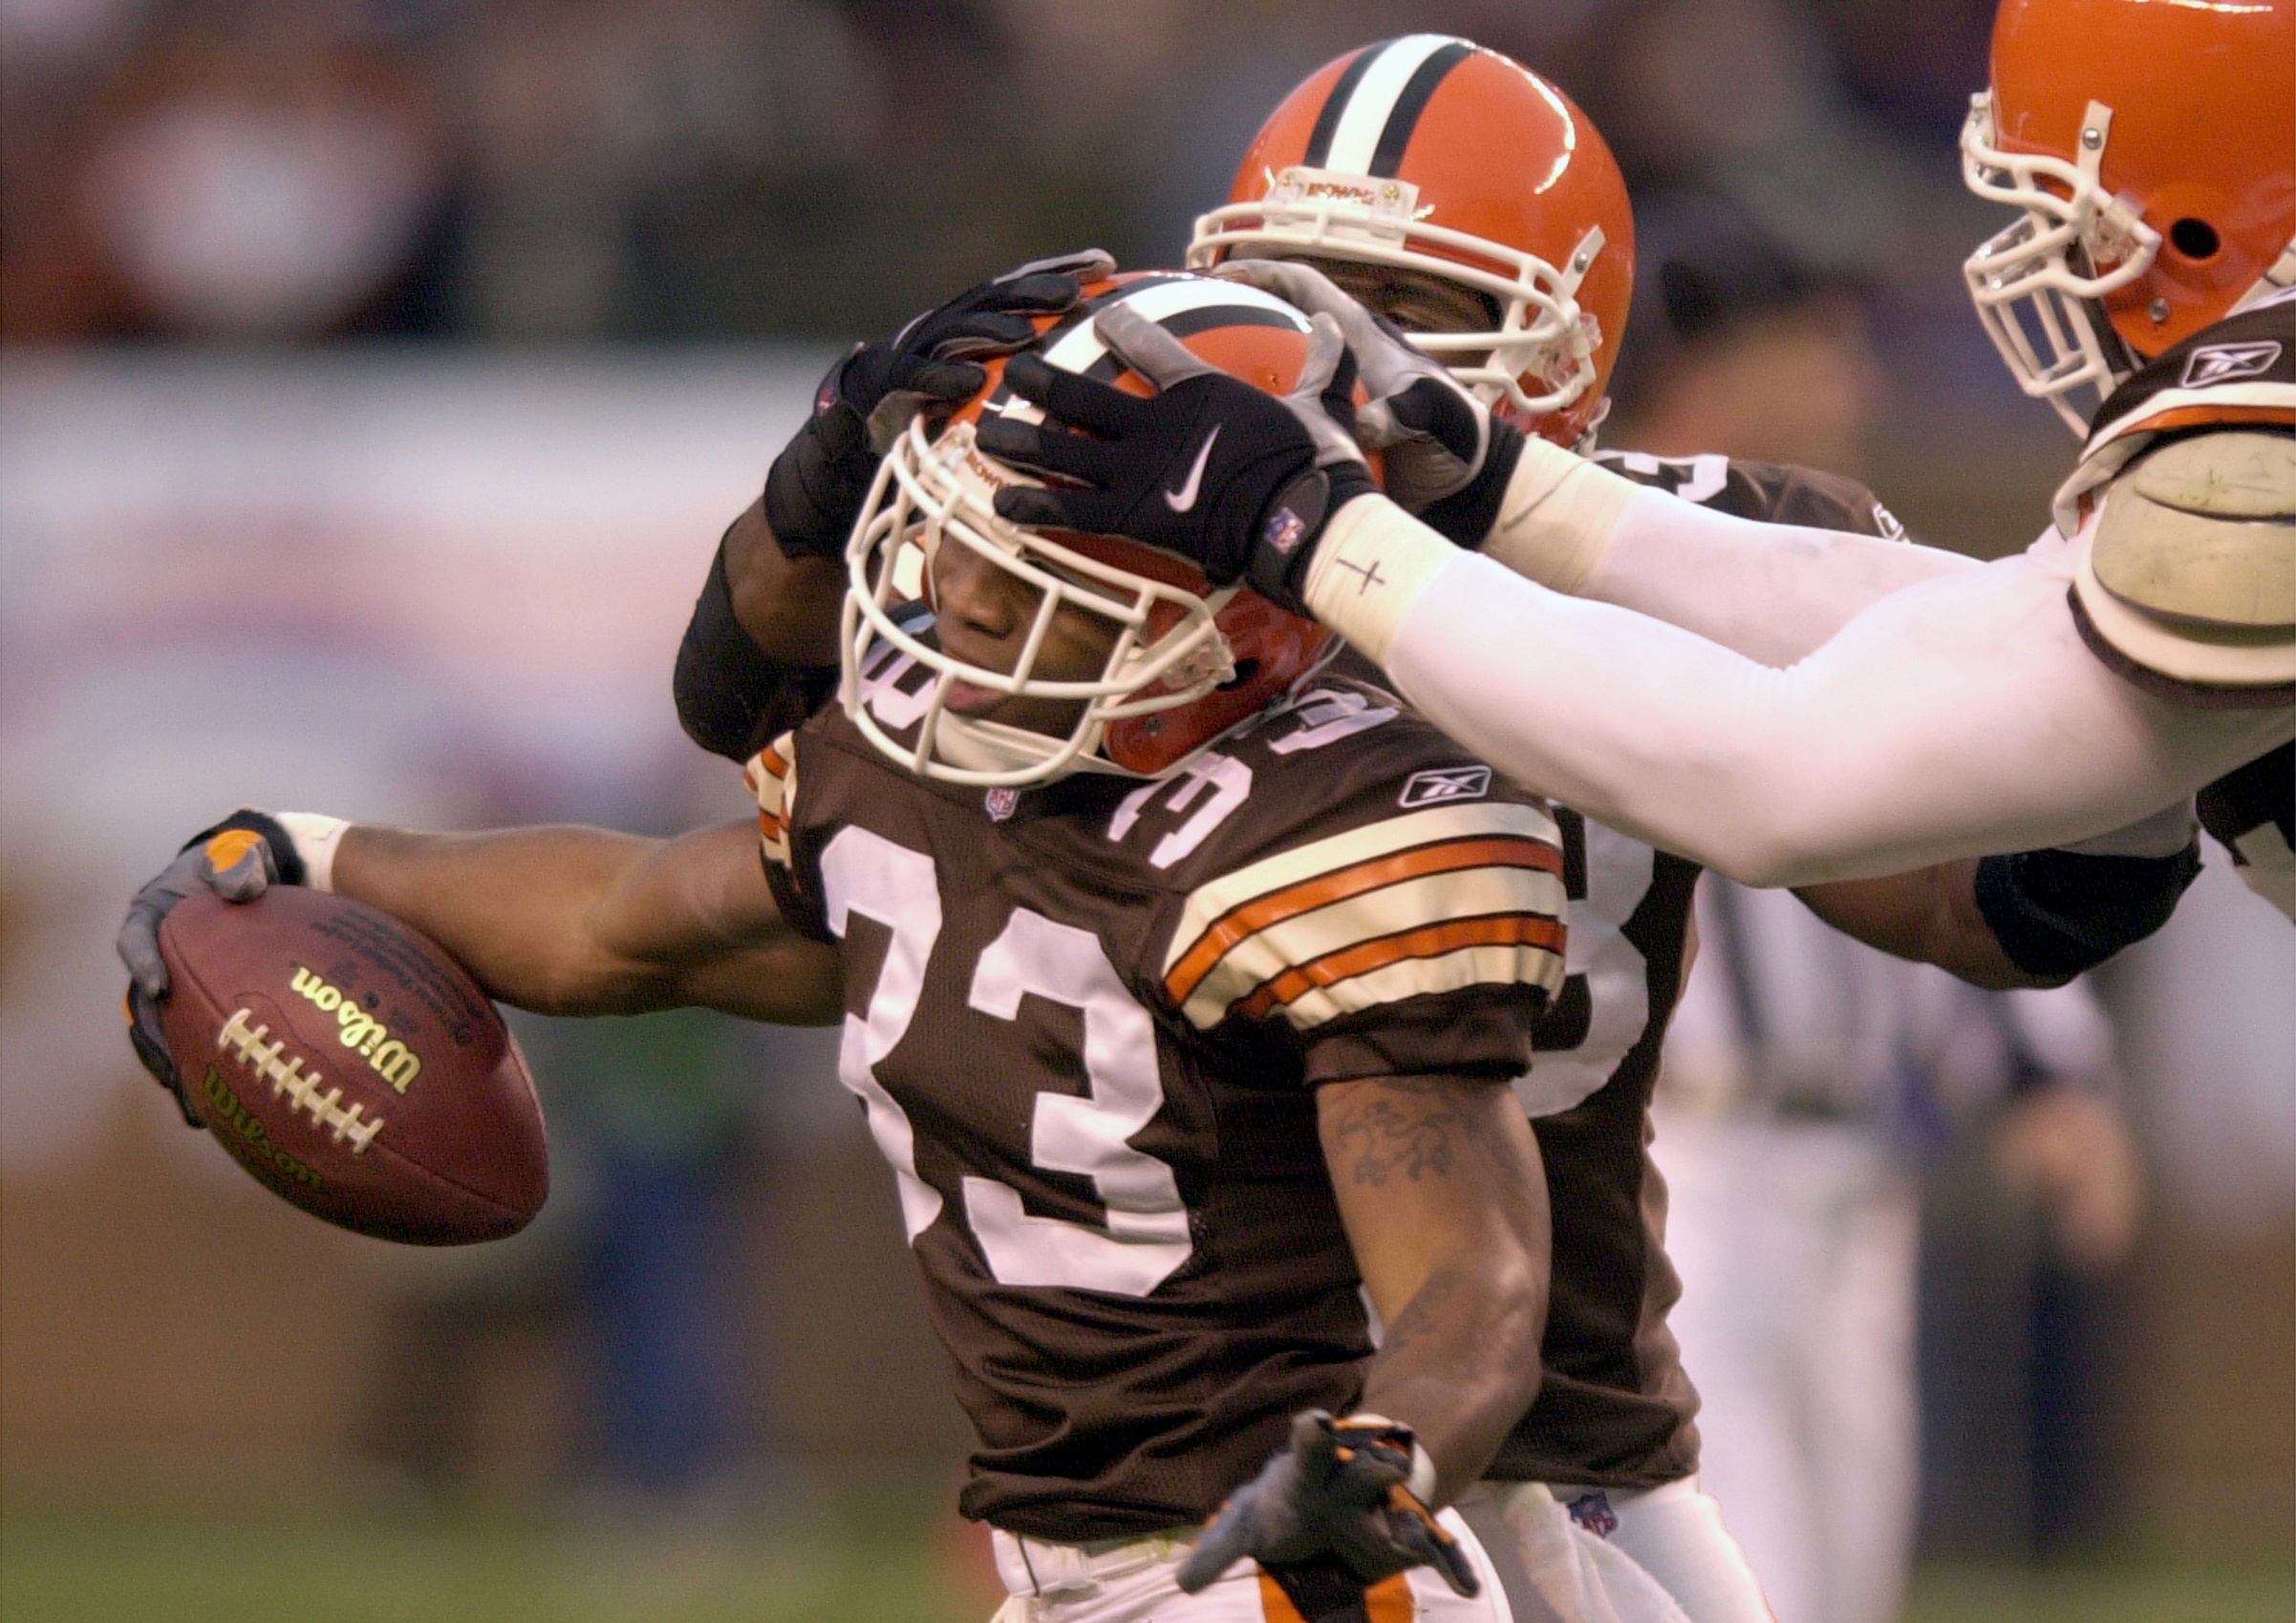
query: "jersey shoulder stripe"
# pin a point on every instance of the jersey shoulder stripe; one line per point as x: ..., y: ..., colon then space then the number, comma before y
x: 2239, y: 373
x: 1430, y: 900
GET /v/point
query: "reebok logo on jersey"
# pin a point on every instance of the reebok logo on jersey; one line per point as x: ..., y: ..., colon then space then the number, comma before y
x: 1442, y: 785
x: 2221, y: 363
x: 1180, y: 501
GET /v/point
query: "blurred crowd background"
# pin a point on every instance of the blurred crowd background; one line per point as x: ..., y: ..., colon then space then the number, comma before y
x: 375, y: 378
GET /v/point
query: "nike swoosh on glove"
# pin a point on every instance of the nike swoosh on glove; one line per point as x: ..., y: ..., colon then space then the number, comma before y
x: 1337, y: 1492
x: 1443, y: 457
x: 238, y: 859
x: 1237, y: 480
x: 816, y: 486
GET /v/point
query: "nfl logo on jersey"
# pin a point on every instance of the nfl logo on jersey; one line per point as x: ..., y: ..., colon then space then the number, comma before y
x: 1000, y: 803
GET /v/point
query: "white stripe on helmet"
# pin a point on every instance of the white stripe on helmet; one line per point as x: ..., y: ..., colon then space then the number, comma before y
x: 1356, y: 139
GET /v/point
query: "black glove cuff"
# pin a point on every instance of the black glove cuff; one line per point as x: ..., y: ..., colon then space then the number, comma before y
x: 732, y: 698
x: 1294, y: 522
x: 284, y: 855
x: 1466, y: 517
x: 2058, y: 913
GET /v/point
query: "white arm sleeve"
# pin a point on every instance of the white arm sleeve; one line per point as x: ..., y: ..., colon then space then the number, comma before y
x: 1950, y: 719
x: 1774, y: 592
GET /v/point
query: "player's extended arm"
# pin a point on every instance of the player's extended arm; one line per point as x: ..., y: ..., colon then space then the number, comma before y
x: 566, y: 920
x: 1950, y: 719
x: 1445, y: 1201
x: 1771, y: 591
x: 1955, y: 718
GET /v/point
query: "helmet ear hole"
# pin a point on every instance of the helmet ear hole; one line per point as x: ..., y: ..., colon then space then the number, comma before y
x: 1245, y: 670
x: 2194, y: 237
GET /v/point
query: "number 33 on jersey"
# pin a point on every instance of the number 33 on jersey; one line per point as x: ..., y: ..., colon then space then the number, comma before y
x: 1086, y: 1023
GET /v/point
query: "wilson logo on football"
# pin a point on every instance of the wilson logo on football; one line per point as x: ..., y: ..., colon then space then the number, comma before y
x: 390, y: 1058
x: 230, y: 1112
x: 2222, y: 363
x: 1442, y: 785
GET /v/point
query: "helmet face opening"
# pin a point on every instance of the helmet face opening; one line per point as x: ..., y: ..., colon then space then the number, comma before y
x: 1429, y: 156
x: 1102, y: 656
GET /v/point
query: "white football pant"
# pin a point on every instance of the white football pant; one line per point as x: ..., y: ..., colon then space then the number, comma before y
x: 1130, y: 1581
x: 1601, y: 1555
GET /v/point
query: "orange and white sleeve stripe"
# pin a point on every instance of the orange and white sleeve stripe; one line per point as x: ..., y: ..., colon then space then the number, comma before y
x: 771, y: 775
x: 1431, y: 902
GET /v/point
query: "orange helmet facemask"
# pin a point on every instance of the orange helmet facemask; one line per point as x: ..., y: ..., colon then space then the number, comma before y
x: 2152, y: 149
x: 1188, y: 661
x: 1433, y: 155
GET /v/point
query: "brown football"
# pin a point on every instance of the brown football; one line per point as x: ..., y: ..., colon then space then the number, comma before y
x: 352, y: 1067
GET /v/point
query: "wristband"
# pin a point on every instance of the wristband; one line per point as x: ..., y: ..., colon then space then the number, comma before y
x: 1374, y: 562
x: 1422, y: 1481
x: 2057, y: 913
x: 1558, y: 516
x: 1296, y: 523
x: 314, y: 837
x: 732, y: 696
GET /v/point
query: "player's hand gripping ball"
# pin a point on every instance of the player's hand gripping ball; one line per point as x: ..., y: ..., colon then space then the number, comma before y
x: 346, y: 1062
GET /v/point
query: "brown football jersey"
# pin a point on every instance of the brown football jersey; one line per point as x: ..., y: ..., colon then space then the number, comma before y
x: 1614, y: 1408
x: 1086, y: 1020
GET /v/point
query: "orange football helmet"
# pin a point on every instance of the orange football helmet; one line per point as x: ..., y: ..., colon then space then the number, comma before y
x: 2152, y: 147
x: 1431, y: 154
x: 1189, y: 662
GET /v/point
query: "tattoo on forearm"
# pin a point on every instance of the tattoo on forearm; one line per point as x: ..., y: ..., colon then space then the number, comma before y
x: 1410, y: 1127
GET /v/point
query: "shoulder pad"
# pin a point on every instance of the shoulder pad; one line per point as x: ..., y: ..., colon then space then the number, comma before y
x: 2191, y: 570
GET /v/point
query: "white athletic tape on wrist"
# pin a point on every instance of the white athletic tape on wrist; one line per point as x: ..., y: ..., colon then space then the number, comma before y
x: 1558, y: 516
x: 1422, y: 1480
x: 316, y: 836
x: 1373, y: 562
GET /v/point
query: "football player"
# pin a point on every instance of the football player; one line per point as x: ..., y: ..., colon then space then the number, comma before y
x: 2143, y: 650
x: 1189, y: 1041
x: 1522, y: 275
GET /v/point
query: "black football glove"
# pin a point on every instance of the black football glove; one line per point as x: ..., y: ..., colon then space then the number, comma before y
x: 1239, y: 481
x: 816, y: 484
x: 238, y: 859
x: 1335, y: 1493
x: 1443, y: 457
